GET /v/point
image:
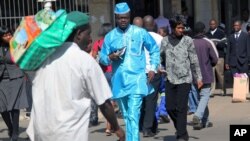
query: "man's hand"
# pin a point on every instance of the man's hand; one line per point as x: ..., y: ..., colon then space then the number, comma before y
x: 151, y: 75
x: 227, y: 67
x: 120, y: 134
x: 109, y: 113
x: 161, y: 70
x: 199, y: 84
x: 114, y: 56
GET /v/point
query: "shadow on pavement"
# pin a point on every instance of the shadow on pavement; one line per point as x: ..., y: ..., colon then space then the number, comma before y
x: 99, y: 130
x: 21, y: 130
x: 19, y: 139
x: 169, y: 138
x: 3, y: 130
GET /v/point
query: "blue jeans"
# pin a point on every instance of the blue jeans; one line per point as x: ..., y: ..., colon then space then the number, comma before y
x: 192, y: 99
x: 202, y: 110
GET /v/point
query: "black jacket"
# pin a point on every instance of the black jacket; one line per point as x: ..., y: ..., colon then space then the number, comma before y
x: 6, y: 63
x: 221, y: 46
x: 238, y: 52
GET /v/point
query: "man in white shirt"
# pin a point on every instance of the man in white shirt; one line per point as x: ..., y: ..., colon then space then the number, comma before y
x: 148, y: 120
x: 63, y: 88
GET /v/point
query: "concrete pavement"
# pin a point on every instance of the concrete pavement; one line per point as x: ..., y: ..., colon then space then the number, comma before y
x: 223, y: 113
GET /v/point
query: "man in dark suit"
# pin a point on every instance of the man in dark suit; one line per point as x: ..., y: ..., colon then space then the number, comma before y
x: 238, y: 52
x: 219, y: 38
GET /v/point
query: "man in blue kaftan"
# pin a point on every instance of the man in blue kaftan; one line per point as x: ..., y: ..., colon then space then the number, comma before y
x: 123, y: 47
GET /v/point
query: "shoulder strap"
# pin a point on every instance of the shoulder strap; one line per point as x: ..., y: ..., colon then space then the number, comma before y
x: 213, y: 45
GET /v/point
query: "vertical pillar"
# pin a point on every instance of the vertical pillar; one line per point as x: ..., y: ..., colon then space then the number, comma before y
x: 167, y: 8
x: 228, y: 16
x: 189, y: 5
x: 99, y: 11
x: 176, y: 7
x: 205, y: 10
x: 248, y: 4
x: 215, y: 9
x: 161, y: 7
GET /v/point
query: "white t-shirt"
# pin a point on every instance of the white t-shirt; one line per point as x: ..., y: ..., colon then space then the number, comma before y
x: 62, y: 91
x: 157, y: 38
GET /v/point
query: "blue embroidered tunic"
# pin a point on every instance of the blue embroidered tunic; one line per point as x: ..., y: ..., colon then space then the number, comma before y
x: 129, y: 71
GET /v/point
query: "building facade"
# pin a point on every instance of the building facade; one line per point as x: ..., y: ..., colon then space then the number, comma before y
x: 101, y: 11
x: 225, y: 11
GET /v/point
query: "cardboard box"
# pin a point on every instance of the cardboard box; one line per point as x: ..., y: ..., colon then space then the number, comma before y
x: 240, y: 89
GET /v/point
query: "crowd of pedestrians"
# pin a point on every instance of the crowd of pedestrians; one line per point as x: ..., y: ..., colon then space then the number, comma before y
x: 155, y: 70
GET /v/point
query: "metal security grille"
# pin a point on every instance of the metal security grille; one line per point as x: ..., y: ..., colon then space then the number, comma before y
x: 11, y: 11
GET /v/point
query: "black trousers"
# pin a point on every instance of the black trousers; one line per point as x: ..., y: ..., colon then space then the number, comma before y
x: 177, y: 105
x: 148, y: 120
x: 11, y: 119
x: 94, y: 113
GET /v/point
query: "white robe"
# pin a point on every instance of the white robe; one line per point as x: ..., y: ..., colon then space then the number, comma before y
x: 62, y: 91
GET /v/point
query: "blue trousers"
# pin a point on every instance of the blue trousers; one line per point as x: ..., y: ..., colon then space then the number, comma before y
x: 130, y: 106
x: 161, y: 109
x: 193, y: 99
x: 202, y: 110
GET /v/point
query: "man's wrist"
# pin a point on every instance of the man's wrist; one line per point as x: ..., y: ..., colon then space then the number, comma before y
x: 109, y: 59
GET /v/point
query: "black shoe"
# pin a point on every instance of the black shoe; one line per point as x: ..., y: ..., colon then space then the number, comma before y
x: 148, y: 134
x: 224, y: 92
x: 209, y: 124
x: 212, y: 96
x: 197, y: 125
x: 190, y: 113
x: 28, y: 114
x: 164, y: 119
x: 93, y: 123
x: 14, y: 138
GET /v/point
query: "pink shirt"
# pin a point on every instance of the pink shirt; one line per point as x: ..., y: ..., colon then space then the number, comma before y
x: 97, y: 47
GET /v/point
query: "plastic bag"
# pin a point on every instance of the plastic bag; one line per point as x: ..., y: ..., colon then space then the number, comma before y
x: 45, y: 18
x: 47, y: 42
x: 24, y: 35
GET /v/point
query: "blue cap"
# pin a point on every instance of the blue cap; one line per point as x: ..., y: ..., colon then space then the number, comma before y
x: 121, y: 8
